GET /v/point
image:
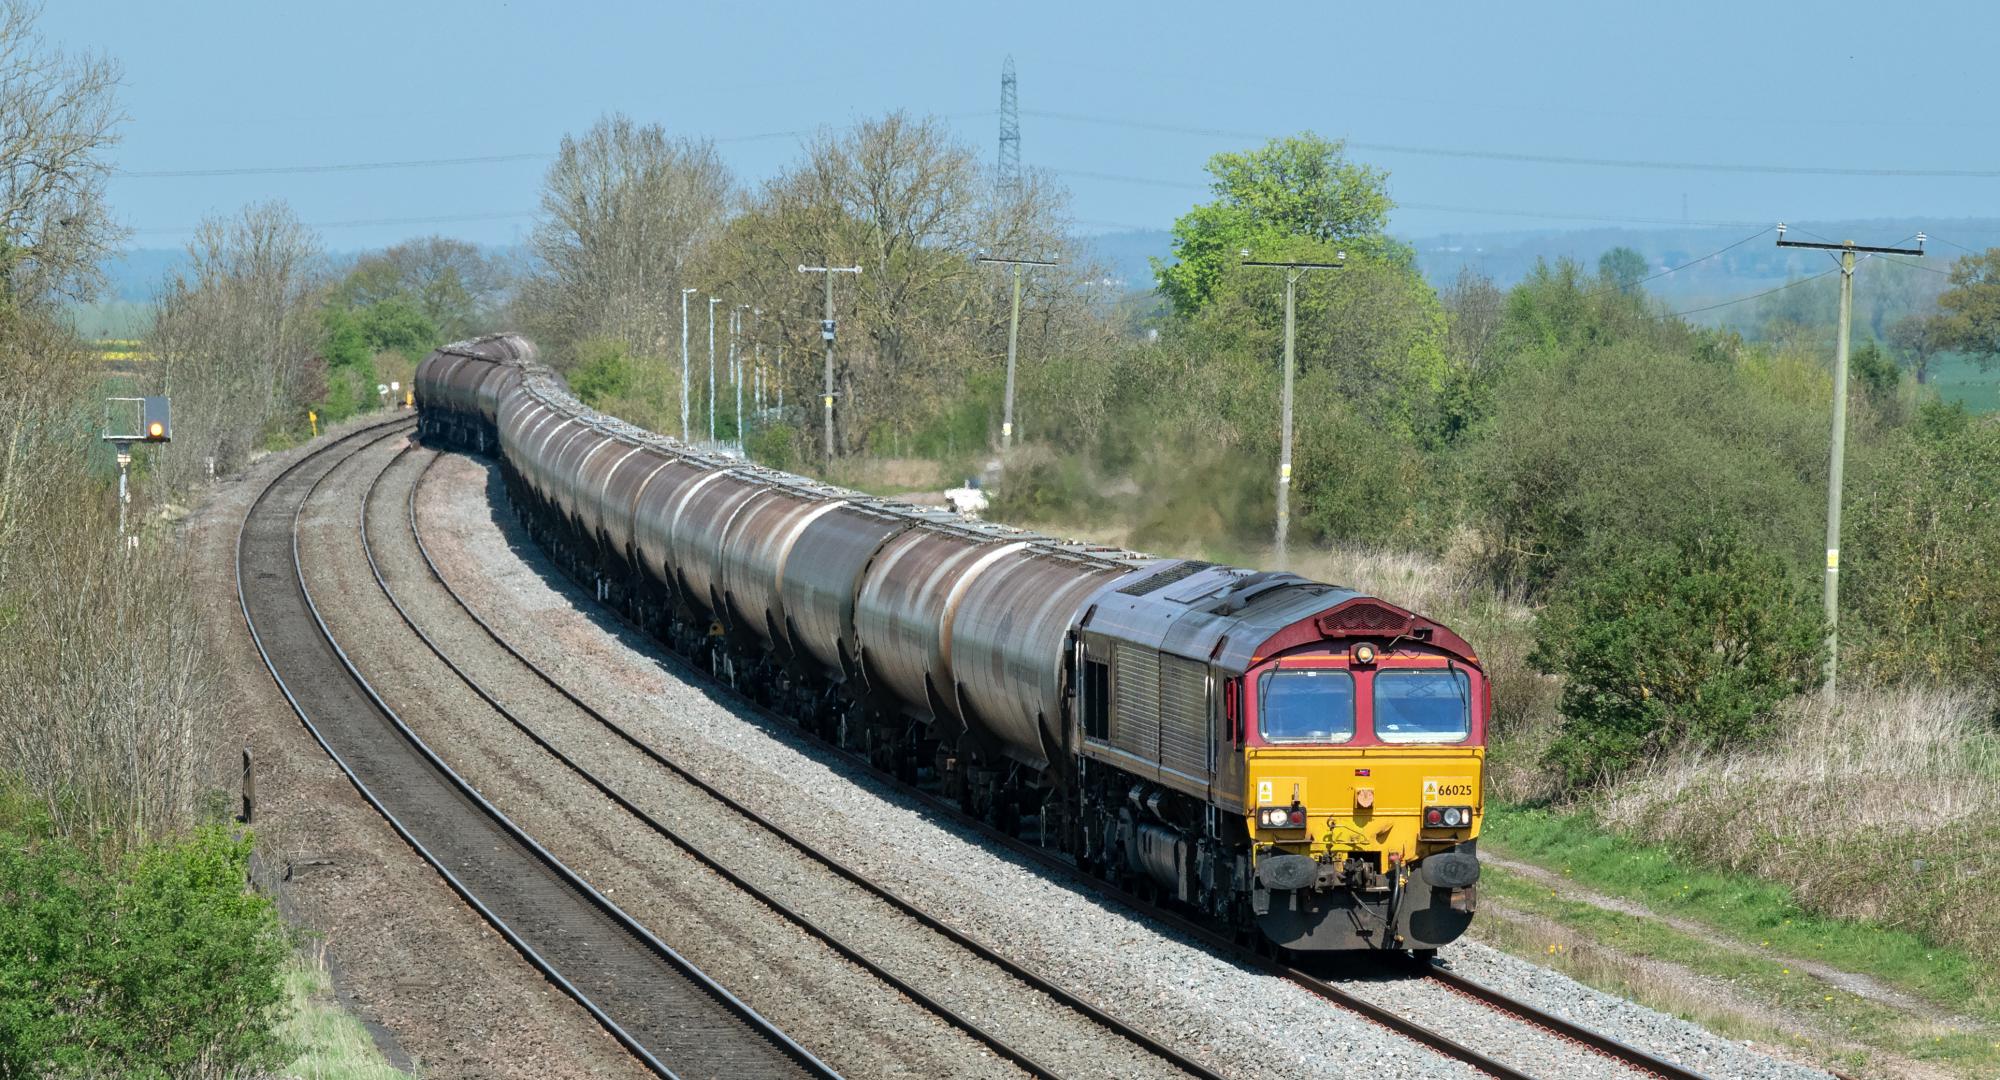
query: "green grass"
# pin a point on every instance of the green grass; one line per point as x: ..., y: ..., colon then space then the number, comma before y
x: 332, y: 1043
x: 1958, y: 379
x: 1757, y: 912
x: 1754, y: 971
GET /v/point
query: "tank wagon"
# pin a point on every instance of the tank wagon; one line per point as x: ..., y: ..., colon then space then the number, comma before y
x: 1283, y: 756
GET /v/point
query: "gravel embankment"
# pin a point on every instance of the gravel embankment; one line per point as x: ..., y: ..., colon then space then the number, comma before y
x: 1174, y: 988
x: 828, y: 1005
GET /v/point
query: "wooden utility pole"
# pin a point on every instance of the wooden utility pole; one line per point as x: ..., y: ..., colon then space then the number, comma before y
x: 826, y: 332
x: 1013, y: 343
x: 1837, y: 450
x: 1293, y: 272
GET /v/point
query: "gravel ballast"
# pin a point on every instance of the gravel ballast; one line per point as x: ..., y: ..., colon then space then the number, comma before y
x: 1240, y: 1020
x: 814, y: 996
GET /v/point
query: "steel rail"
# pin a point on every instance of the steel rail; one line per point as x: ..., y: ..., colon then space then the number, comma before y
x: 906, y: 907
x: 1626, y: 1054
x: 759, y: 1027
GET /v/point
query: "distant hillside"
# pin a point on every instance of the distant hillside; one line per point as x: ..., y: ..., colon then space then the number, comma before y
x: 1510, y: 256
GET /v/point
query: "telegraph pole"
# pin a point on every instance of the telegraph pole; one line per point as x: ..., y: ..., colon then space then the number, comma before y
x: 1837, y: 450
x: 826, y: 332
x: 1293, y: 272
x: 757, y: 356
x: 736, y: 366
x: 684, y: 363
x: 1013, y: 341
x: 712, y: 301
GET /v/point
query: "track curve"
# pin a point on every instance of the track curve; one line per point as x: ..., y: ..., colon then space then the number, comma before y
x: 671, y: 1016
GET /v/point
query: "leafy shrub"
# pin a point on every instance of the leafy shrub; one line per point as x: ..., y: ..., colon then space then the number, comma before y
x: 154, y: 964
x: 603, y: 372
x: 1922, y: 553
x: 1631, y: 440
x: 775, y: 445
x: 1689, y: 643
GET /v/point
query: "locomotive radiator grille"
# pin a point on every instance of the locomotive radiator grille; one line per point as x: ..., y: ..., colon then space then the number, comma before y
x: 1184, y: 738
x: 1135, y: 719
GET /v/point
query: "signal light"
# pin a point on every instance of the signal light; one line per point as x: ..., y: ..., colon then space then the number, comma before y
x: 156, y: 420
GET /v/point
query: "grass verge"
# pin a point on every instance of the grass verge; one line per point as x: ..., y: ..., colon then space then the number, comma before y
x: 332, y: 1043
x: 1770, y: 928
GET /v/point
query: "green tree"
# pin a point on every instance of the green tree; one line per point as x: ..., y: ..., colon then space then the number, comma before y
x: 1918, y: 339
x: 1638, y: 438
x: 1690, y: 642
x: 1971, y: 308
x: 1874, y: 373
x: 1302, y: 186
x: 395, y: 325
x: 346, y: 343
x: 1623, y: 268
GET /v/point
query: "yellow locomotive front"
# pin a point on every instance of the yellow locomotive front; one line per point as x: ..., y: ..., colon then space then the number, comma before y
x: 1362, y: 766
x: 1281, y: 754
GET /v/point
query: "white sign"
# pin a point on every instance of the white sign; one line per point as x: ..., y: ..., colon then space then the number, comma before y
x: 395, y: 386
x: 381, y: 388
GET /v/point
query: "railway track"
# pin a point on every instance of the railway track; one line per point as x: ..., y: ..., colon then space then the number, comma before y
x: 375, y: 502
x: 1547, y: 1024
x: 668, y: 1013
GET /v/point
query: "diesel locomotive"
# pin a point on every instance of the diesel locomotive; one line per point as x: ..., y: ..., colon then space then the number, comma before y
x: 1285, y: 757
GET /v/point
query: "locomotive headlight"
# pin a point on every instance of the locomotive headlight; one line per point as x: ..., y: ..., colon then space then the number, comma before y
x: 1364, y: 653
x: 1451, y: 817
x: 1281, y: 817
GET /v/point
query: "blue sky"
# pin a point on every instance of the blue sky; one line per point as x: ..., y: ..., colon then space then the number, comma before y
x: 212, y: 84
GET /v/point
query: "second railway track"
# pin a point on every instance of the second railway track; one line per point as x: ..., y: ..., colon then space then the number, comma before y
x: 664, y: 1010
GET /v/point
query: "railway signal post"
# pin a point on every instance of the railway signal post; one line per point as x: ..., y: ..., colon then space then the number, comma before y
x: 1837, y: 451
x: 826, y: 332
x: 1013, y: 340
x: 156, y: 425
x: 1293, y: 272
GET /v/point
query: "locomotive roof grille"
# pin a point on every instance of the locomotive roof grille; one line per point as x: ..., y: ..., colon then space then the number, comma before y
x: 1365, y: 618
x: 1161, y: 580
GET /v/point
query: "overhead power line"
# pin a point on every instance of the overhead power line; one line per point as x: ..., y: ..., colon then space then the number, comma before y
x: 353, y: 166
x: 1541, y: 215
x: 437, y: 219
x: 1538, y: 159
x: 1752, y: 296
